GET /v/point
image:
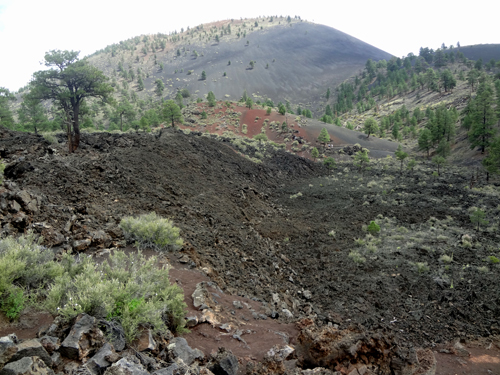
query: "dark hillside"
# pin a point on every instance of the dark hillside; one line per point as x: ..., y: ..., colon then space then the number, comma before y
x: 294, y: 61
x: 482, y: 51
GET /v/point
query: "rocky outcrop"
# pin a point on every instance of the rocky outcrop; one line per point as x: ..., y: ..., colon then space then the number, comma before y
x: 84, y: 338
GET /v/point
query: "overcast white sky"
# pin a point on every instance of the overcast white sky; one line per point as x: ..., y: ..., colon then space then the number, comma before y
x: 29, y: 28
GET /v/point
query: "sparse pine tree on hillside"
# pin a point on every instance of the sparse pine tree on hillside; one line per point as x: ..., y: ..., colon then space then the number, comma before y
x: 484, y: 117
x: 159, y: 87
x: 361, y: 159
x: 323, y: 137
x: 371, y: 126
x: 171, y: 112
x: 425, y: 141
x: 439, y: 161
x: 401, y: 156
x: 211, y: 99
x: 314, y: 153
x: 203, y: 75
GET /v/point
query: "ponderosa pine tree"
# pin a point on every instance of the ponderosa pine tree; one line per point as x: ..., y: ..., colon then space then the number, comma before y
x: 484, y: 117
x: 171, y: 112
x: 32, y: 115
x: 6, y: 118
x: 449, y: 82
x: 67, y: 84
x: 425, y: 141
x: 371, y: 126
x: 324, y: 137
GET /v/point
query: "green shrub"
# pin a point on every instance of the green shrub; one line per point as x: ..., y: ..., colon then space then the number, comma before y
x: 357, y: 257
x: 27, y: 263
x: 260, y: 137
x: 151, y: 231
x: 421, y: 267
x: 373, y: 228
x: 493, y: 259
x: 50, y: 138
x: 13, y: 303
x: 329, y: 162
x: 128, y: 288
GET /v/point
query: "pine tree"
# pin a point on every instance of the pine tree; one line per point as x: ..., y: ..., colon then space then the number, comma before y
x: 371, y: 126
x: 314, y: 153
x: 425, y: 141
x: 211, y: 99
x: 401, y: 156
x: 324, y: 137
x: 483, y: 117
x: 171, y: 112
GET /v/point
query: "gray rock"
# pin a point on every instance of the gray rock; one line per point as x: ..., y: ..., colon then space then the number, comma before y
x: 83, y: 339
x: 32, y: 206
x: 167, y: 371
x: 98, y: 363
x: 14, y: 206
x: 200, y: 295
x: 8, y: 348
x: 32, y: 348
x: 191, y: 321
x: 237, y: 304
x: 224, y: 363
x: 81, y: 245
x: 50, y: 344
x: 126, y: 366
x: 24, y: 196
x: 145, y: 341
x: 307, y: 294
x: 115, y: 333
x: 56, y: 359
x: 100, y: 239
x: 179, y: 348
x: 27, y: 366
x: 287, y: 313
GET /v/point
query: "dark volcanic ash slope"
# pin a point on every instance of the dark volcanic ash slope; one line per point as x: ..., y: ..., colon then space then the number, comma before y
x: 295, y: 62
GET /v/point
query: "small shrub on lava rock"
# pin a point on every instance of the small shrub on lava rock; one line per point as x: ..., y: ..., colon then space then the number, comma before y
x: 373, y: 228
x: 357, y: 257
x: 151, y: 231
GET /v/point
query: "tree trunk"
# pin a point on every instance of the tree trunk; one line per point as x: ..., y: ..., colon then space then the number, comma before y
x: 76, y: 128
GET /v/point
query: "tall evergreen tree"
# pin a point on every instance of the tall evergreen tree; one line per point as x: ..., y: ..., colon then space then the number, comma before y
x: 68, y: 84
x: 171, y: 112
x: 371, y: 126
x: 324, y: 137
x: 6, y: 119
x: 425, y: 141
x: 483, y: 117
x: 32, y: 114
x: 449, y: 82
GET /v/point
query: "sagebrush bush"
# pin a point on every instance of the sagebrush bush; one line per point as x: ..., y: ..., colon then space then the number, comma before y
x: 24, y: 261
x: 151, y: 231
x: 130, y: 289
x: 127, y: 288
x: 357, y: 257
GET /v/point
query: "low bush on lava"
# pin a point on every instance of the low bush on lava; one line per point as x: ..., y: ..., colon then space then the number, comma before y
x: 127, y: 288
x: 151, y: 231
x: 130, y: 289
